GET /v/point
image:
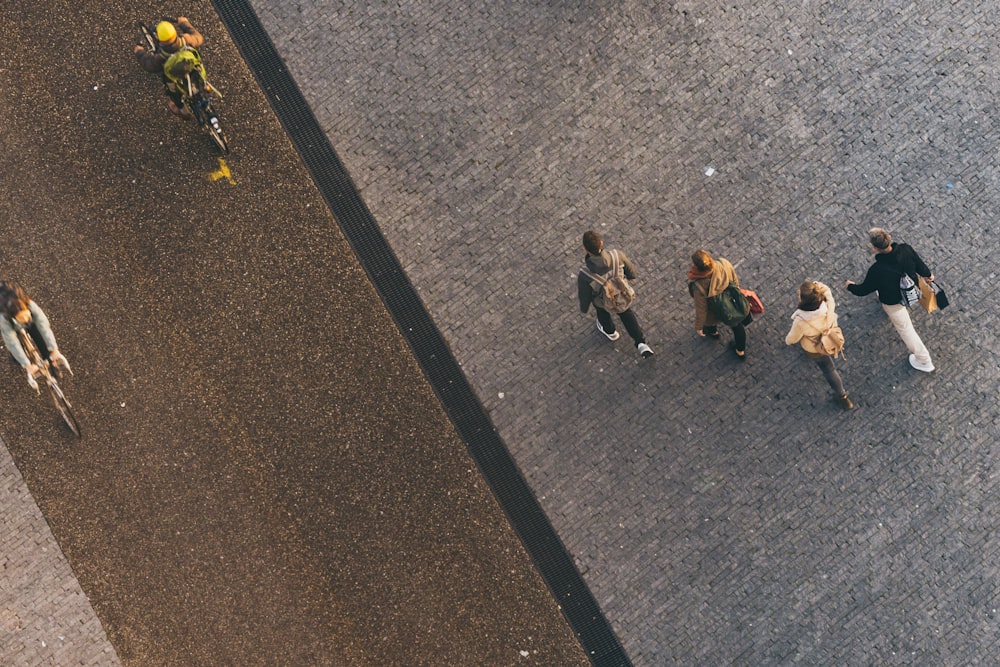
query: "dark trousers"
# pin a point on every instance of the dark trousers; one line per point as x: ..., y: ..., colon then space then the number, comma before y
x: 739, y: 333
x: 628, y: 319
x: 830, y: 373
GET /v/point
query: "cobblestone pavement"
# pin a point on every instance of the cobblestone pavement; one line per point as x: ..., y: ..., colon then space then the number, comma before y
x: 45, y: 618
x: 721, y: 513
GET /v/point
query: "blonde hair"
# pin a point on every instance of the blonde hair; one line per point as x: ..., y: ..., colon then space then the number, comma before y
x: 879, y: 238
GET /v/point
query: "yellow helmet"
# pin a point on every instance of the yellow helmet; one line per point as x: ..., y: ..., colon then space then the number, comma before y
x: 166, y: 32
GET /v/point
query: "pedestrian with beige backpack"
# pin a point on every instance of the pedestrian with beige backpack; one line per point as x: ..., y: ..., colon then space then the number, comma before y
x: 814, y: 327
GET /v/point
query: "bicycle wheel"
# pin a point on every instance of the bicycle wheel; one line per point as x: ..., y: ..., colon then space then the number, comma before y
x: 215, y: 130
x: 209, y: 120
x: 64, y: 407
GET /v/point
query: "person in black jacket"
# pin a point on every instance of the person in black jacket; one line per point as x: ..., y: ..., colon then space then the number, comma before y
x: 892, y: 260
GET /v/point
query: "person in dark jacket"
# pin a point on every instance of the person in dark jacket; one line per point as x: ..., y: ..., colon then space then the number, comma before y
x: 171, y: 38
x: 710, y: 276
x: 598, y: 262
x: 892, y: 260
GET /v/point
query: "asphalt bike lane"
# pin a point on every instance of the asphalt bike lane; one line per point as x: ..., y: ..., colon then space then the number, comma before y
x: 265, y: 474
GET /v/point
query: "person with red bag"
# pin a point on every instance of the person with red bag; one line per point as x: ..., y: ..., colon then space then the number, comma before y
x: 708, y: 279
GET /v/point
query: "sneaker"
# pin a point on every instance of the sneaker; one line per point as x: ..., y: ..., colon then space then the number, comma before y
x: 611, y: 336
x: 845, y: 402
x: 927, y: 368
x: 645, y: 350
x: 742, y: 354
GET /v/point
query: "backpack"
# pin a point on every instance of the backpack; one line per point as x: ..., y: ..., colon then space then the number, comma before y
x: 729, y: 306
x: 618, y: 293
x: 831, y: 341
x: 185, y: 58
x: 909, y: 293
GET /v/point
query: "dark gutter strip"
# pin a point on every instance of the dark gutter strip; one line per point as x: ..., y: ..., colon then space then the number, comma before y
x: 442, y: 371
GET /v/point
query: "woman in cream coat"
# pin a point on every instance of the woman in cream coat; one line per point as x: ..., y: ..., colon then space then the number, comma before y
x: 816, y: 314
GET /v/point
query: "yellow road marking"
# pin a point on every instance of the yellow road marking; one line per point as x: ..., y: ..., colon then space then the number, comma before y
x: 223, y: 172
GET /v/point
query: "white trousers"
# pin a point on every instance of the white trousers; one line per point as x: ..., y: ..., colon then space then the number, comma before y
x: 900, y: 318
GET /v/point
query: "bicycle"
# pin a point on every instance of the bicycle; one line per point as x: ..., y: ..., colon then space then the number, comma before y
x: 197, y: 101
x: 45, y: 374
x: 151, y: 42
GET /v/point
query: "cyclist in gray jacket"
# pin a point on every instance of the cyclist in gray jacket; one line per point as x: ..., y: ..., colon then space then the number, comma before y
x: 21, y: 313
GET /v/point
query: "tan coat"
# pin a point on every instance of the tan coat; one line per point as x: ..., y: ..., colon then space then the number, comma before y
x: 701, y: 289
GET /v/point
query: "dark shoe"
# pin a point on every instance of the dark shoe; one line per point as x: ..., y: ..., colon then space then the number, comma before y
x: 845, y: 402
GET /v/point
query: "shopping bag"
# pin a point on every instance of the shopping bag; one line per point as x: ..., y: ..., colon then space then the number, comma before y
x: 756, y: 305
x: 928, y: 297
x: 940, y: 296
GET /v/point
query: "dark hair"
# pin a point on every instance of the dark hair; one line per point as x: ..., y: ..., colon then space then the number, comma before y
x: 13, y: 299
x: 592, y: 241
x: 702, y: 260
x: 810, y: 295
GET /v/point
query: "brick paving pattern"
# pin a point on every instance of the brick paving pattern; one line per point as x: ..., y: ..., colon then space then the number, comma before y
x: 720, y: 512
x: 45, y: 618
